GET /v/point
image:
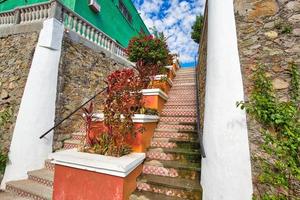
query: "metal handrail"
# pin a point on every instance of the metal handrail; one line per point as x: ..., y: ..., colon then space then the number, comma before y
x: 72, y: 113
x: 199, y: 130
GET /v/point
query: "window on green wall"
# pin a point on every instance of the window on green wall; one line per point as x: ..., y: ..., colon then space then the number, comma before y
x: 125, y: 11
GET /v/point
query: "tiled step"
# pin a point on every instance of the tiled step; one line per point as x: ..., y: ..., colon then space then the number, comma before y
x: 183, y: 119
x: 49, y: 165
x: 185, y: 72
x: 70, y: 144
x: 182, y: 92
x: 42, y: 176
x: 78, y: 136
x: 183, y: 81
x: 10, y: 196
x: 183, y: 85
x: 178, y: 112
x: 175, y: 135
x: 185, y: 78
x: 176, y: 154
x: 174, y: 143
x: 189, y: 77
x: 183, y: 188
x: 178, y: 127
x: 181, y: 102
x: 179, y: 107
x: 30, y: 189
x: 173, y: 169
x: 151, y: 196
x: 182, y: 98
x: 174, y: 130
x: 181, y: 88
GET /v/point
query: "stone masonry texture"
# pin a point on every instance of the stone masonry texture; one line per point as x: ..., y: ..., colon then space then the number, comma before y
x: 269, y: 34
x: 81, y: 75
x: 15, y: 60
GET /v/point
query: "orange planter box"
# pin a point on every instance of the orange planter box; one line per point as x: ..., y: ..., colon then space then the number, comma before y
x: 171, y: 72
x: 161, y: 82
x: 164, y: 85
x: 154, y: 98
x: 90, y: 176
x: 146, y: 124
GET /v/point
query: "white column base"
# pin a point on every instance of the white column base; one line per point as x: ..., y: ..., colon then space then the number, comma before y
x: 37, y: 110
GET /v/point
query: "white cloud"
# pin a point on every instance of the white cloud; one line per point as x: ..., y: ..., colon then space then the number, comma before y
x: 175, y: 18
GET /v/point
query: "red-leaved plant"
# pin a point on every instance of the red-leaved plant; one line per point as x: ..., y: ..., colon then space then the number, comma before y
x: 123, y: 99
x: 88, y: 118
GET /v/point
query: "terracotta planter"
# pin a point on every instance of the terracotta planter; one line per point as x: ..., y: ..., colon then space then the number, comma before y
x: 90, y: 176
x: 164, y: 85
x: 154, y: 98
x: 171, y: 72
x: 146, y: 124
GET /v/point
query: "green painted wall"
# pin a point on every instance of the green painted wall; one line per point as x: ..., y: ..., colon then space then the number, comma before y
x: 110, y: 19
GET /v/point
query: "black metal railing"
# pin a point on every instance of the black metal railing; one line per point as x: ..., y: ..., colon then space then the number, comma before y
x: 199, y: 129
x: 72, y: 113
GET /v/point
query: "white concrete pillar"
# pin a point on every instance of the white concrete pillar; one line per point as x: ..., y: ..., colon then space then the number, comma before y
x: 37, y: 110
x: 226, y: 170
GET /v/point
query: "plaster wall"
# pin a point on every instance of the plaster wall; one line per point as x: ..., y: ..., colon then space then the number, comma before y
x: 37, y: 110
x: 226, y: 170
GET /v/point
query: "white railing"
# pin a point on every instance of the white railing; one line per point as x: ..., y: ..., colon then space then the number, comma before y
x: 74, y: 22
x: 7, y: 18
x: 71, y: 20
x: 35, y: 13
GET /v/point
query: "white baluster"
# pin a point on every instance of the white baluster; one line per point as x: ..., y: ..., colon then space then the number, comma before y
x: 48, y: 11
x: 22, y: 16
x: 92, y: 34
x: 12, y: 19
x: 30, y: 16
x: 79, y: 27
x: 33, y: 13
x: 6, y: 19
x: 102, y: 40
x: 74, y: 24
x: 99, y: 38
x: 96, y: 37
x: 88, y: 32
x: 37, y: 13
x: 69, y: 24
x: 41, y: 12
x: 83, y: 29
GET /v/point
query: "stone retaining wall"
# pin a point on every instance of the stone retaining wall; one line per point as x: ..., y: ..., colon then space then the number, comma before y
x: 82, y: 74
x: 268, y: 34
x: 15, y: 60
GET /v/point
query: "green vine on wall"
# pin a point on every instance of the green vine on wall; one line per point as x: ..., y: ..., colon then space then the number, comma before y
x: 281, y: 133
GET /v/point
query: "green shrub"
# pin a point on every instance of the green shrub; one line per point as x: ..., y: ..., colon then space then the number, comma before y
x: 281, y: 134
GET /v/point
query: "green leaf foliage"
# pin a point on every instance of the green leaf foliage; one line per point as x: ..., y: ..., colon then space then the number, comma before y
x: 197, y: 28
x: 281, y: 134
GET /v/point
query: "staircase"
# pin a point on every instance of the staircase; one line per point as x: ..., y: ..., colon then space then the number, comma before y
x: 39, y: 184
x: 172, y: 168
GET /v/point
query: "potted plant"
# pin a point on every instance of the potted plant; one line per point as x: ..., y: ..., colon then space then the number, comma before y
x: 105, y: 160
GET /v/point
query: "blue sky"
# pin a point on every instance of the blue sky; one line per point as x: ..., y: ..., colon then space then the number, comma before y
x: 175, y: 18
